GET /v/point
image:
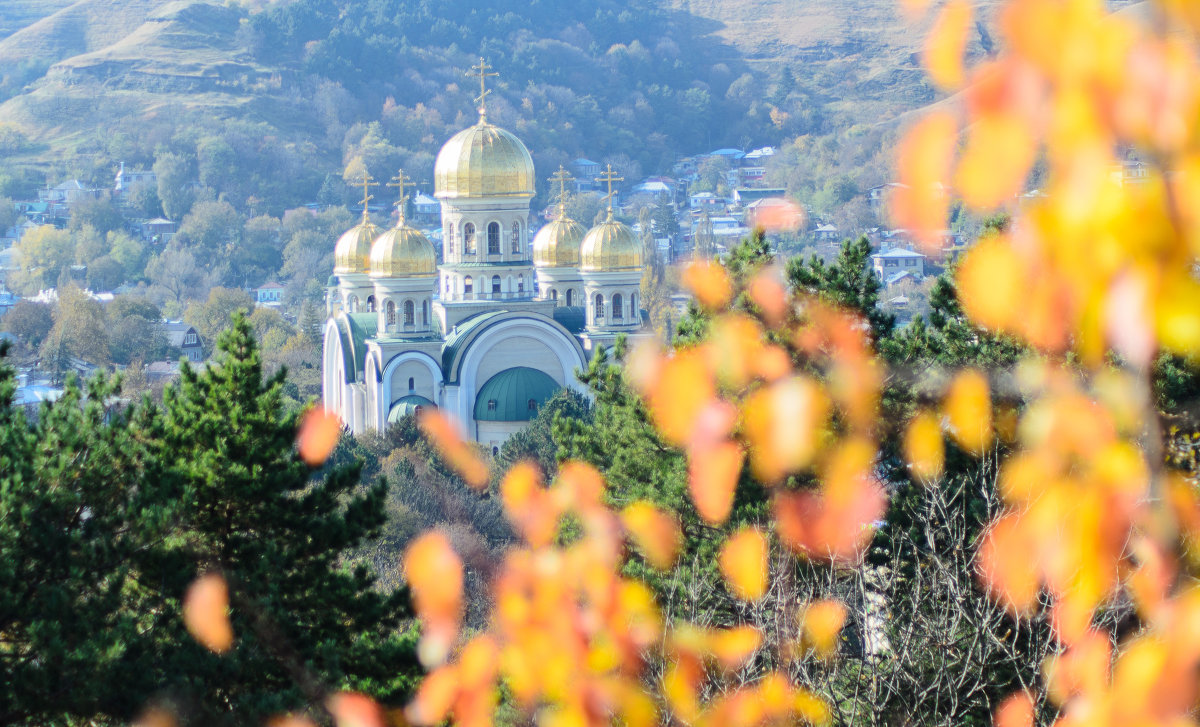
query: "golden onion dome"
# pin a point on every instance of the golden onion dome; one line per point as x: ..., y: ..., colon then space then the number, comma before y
x: 610, y: 245
x: 352, y: 254
x: 403, y: 252
x: 483, y: 161
x: 557, y: 244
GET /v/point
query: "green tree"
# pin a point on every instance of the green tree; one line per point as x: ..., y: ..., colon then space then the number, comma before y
x: 213, y: 315
x: 175, y: 174
x: 240, y: 501
x: 129, y: 251
x: 29, y: 322
x: 41, y: 254
x: 850, y: 282
x: 100, y: 214
x: 105, y: 273
x: 79, y: 331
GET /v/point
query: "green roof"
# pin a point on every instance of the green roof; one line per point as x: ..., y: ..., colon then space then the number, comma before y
x: 506, y: 396
x: 460, y: 333
x: 355, y: 329
x: 406, y: 405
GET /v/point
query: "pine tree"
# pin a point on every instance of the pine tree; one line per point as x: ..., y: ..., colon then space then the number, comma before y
x: 849, y: 282
x: 241, y: 502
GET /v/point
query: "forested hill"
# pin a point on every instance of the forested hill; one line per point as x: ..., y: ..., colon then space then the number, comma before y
x: 268, y: 100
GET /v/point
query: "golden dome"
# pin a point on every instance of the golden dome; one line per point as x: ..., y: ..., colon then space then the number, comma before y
x: 352, y: 254
x: 403, y: 252
x: 483, y: 161
x: 610, y: 245
x: 557, y: 244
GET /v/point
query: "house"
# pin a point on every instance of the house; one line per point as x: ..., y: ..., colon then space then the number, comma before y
x: 1131, y: 171
x: 7, y: 301
x: 159, y: 230
x: 897, y: 260
x: 426, y: 209
x: 586, y: 172
x: 67, y: 193
x: 826, y: 233
x: 127, y: 178
x: 743, y: 196
x: 879, y: 195
x: 732, y: 155
x: 706, y: 201
x: 753, y: 166
x: 185, y: 338
x: 269, y: 295
x: 773, y: 213
x: 659, y: 187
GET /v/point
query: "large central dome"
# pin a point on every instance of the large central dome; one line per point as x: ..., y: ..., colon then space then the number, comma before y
x: 483, y: 161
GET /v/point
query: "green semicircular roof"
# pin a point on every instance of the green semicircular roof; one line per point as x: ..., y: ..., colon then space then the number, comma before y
x: 506, y: 396
x: 406, y: 405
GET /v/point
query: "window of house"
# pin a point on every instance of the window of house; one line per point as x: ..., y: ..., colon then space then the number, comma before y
x: 570, y: 296
x: 533, y: 405
x: 412, y: 384
x: 495, y: 283
x: 599, y: 307
x: 469, y: 238
x: 370, y: 304
x: 190, y: 339
x: 516, y: 237
x: 618, y: 314
x: 408, y: 313
x: 391, y: 313
x: 491, y: 405
x: 468, y: 286
x: 493, y: 238
x: 352, y: 303
x: 520, y: 283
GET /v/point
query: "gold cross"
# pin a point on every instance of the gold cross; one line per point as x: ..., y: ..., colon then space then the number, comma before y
x: 482, y: 69
x: 609, y: 176
x: 367, y: 182
x: 399, y: 181
x: 562, y: 177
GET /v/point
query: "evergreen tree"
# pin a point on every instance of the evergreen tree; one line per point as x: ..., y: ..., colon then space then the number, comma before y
x: 849, y: 282
x: 241, y: 503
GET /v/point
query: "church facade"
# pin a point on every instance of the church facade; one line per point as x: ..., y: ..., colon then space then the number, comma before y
x: 495, y: 328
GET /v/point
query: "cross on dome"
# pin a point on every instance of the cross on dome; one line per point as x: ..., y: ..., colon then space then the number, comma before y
x: 562, y: 176
x: 483, y: 70
x: 400, y: 181
x: 367, y: 182
x: 608, y: 176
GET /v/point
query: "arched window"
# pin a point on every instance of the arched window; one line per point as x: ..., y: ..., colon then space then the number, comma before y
x: 553, y: 294
x: 495, y: 451
x: 370, y: 304
x: 408, y: 313
x: 495, y: 283
x: 412, y: 384
x: 516, y: 237
x: 468, y: 288
x: 424, y: 312
x: 391, y: 313
x: 491, y: 405
x: 634, y: 312
x: 570, y: 297
x: 352, y: 303
x: 469, y: 238
x: 618, y: 314
x: 520, y: 283
x: 493, y: 238
x: 599, y: 307
x: 533, y: 405
x: 450, y: 240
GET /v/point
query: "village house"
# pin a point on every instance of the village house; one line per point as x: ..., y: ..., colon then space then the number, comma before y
x: 898, y: 260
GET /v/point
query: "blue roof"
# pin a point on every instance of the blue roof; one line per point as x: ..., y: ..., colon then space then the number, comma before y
x: 514, y: 395
x: 735, y: 153
x: 898, y: 252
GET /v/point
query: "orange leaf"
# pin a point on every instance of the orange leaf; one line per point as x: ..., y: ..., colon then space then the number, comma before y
x: 318, y: 435
x: 991, y: 284
x: 435, y: 697
x: 435, y: 574
x: 685, y: 387
x: 350, y: 709
x: 743, y: 562
x: 968, y: 407
x: 996, y: 161
x: 444, y: 437
x: 528, y: 505
x: 1015, y: 711
x: 712, y: 478
x: 923, y: 160
x: 782, y: 425
x: 656, y: 533
x: 946, y: 42
x: 709, y: 283
x: 1008, y: 561
x: 923, y: 446
x: 822, y: 622
x: 206, y: 612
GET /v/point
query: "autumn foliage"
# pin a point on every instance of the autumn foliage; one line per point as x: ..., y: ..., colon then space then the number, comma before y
x: 1096, y: 277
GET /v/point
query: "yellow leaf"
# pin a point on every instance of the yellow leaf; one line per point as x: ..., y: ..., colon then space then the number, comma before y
x: 991, y: 284
x: 996, y: 161
x: 656, y: 533
x: 946, y: 42
x: 968, y: 407
x: 743, y: 562
x: 206, y: 612
x: 434, y: 574
x: 822, y: 622
x: 924, y: 156
x: 444, y: 436
x: 923, y: 446
x: 782, y: 425
x: 684, y: 388
x: 732, y: 647
x: 709, y: 283
x: 1178, y: 313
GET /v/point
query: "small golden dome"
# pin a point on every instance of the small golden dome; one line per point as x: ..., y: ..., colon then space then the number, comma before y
x: 610, y: 245
x: 403, y: 252
x: 557, y: 244
x: 483, y: 161
x: 352, y: 254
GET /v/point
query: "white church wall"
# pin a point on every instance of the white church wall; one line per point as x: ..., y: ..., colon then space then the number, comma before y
x: 507, y: 353
x: 423, y: 382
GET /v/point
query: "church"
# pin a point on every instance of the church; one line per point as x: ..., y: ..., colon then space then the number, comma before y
x: 500, y: 324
